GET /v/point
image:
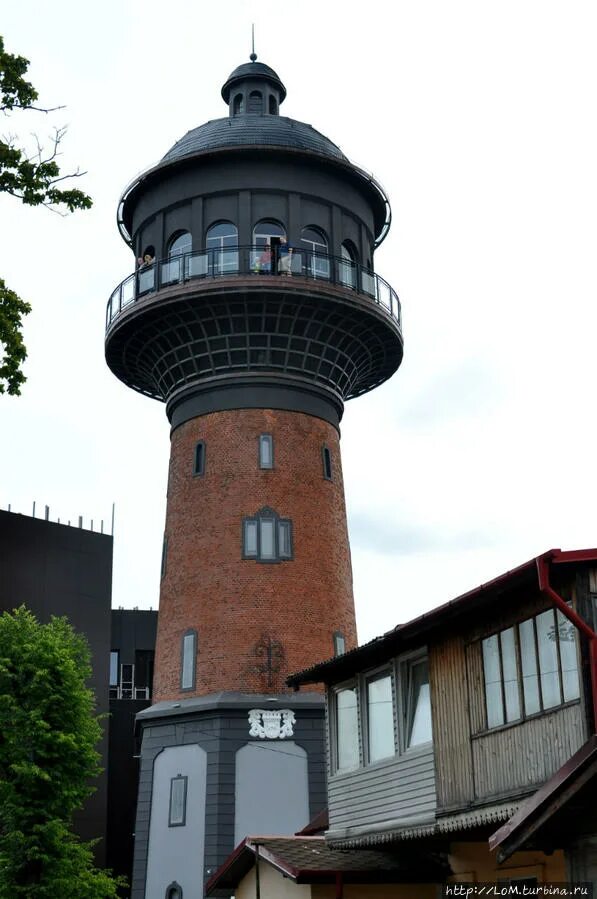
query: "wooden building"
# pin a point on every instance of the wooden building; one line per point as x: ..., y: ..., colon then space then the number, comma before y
x: 443, y: 729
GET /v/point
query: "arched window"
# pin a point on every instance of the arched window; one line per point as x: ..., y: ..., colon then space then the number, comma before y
x: 267, y: 237
x: 174, y: 891
x: 255, y: 103
x: 347, y: 272
x: 273, y: 105
x: 238, y: 106
x: 221, y: 242
x: 317, y: 244
x: 180, y: 244
x: 266, y: 537
x: 172, y: 270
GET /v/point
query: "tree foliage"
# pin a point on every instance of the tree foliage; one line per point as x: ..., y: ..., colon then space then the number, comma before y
x: 35, y: 179
x: 48, y: 734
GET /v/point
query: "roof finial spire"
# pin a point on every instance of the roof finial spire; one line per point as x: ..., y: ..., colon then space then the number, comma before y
x: 253, y: 55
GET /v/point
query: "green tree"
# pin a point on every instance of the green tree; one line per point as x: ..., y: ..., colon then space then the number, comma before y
x: 48, y: 734
x: 34, y: 179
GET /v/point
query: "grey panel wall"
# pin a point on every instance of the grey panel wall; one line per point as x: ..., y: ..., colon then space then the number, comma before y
x: 383, y: 795
x: 221, y: 733
x: 176, y: 853
x: 272, y: 789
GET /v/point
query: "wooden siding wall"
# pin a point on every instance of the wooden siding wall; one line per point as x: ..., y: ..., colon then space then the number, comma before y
x: 528, y: 753
x: 451, y: 728
x: 472, y: 763
x: 388, y: 792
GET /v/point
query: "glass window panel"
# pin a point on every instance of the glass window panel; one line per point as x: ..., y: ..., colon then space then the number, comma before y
x: 266, y: 526
x: 188, y: 661
x: 284, y: 546
x: 510, y: 674
x: 114, y: 668
x: 266, y: 451
x: 180, y: 245
x: 380, y: 718
x: 347, y: 729
x: 419, y: 705
x: 493, y: 682
x: 569, y: 658
x: 548, y: 659
x: 528, y: 658
x: 339, y: 644
x: 265, y: 230
x: 250, y: 538
x: 178, y: 801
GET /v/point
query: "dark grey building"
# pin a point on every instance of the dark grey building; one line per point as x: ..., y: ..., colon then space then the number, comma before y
x: 54, y: 569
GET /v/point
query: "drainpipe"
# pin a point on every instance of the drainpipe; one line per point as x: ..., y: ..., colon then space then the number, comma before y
x: 257, y: 884
x: 577, y: 621
x: 339, y: 885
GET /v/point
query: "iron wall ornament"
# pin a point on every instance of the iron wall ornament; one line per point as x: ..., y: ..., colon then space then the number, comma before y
x: 271, y: 724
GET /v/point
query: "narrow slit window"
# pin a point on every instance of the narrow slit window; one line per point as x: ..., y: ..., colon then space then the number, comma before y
x: 164, y: 556
x: 178, y: 801
x: 266, y: 451
x: 114, y: 668
x: 199, y: 460
x: 187, y: 668
x: 347, y: 729
x: 327, y: 463
x: 284, y: 540
x: 339, y: 643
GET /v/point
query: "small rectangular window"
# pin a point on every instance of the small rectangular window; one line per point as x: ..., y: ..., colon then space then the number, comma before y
x: 380, y: 718
x: 266, y: 451
x: 327, y: 463
x: 418, y: 704
x: 178, y: 802
x: 266, y: 535
x: 189, y: 648
x: 250, y: 538
x: 114, y: 668
x: 339, y: 644
x: 347, y: 730
x: 284, y: 540
x: 199, y: 461
x: 164, y: 556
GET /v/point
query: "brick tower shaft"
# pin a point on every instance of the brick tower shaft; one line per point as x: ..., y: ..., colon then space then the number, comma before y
x: 252, y: 620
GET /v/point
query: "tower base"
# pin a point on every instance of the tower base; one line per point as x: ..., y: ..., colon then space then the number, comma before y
x: 215, y: 769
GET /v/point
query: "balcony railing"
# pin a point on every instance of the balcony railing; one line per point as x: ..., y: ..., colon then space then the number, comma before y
x: 230, y: 262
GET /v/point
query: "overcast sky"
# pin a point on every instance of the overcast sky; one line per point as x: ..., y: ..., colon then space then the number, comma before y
x: 479, y: 120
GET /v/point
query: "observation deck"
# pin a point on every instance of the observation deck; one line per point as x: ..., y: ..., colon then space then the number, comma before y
x: 204, y: 317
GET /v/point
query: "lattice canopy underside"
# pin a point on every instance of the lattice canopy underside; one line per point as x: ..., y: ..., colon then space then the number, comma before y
x: 168, y: 345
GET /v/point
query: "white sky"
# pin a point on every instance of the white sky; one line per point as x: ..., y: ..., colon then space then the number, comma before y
x: 479, y: 120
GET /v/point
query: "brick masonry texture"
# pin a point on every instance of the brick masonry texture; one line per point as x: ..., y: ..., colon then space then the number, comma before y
x: 236, y: 604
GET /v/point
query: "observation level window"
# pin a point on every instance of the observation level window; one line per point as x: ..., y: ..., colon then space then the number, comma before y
x: 221, y: 242
x: 267, y: 237
x: 255, y: 106
x: 318, y: 263
x: 172, y: 271
x: 273, y: 106
x: 238, y: 106
x: 347, y: 267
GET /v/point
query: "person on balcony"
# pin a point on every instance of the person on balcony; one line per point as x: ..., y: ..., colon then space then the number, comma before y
x: 284, y: 257
x: 264, y: 262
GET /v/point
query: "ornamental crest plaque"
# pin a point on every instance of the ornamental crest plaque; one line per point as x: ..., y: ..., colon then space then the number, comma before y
x: 271, y: 724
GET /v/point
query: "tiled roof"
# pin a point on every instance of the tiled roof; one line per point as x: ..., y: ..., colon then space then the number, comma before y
x: 253, y: 130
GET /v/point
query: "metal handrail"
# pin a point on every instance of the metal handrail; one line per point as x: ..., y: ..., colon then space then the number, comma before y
x: 232, y: 262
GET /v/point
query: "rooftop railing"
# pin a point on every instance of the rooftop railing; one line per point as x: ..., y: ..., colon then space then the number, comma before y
x: 231, y: 262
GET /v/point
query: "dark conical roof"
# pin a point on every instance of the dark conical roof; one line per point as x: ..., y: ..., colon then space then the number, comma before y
x: 253, y: 71
x: 253, y: 130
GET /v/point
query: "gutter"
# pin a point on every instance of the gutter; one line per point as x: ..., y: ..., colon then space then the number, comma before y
x: 543, y: 568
